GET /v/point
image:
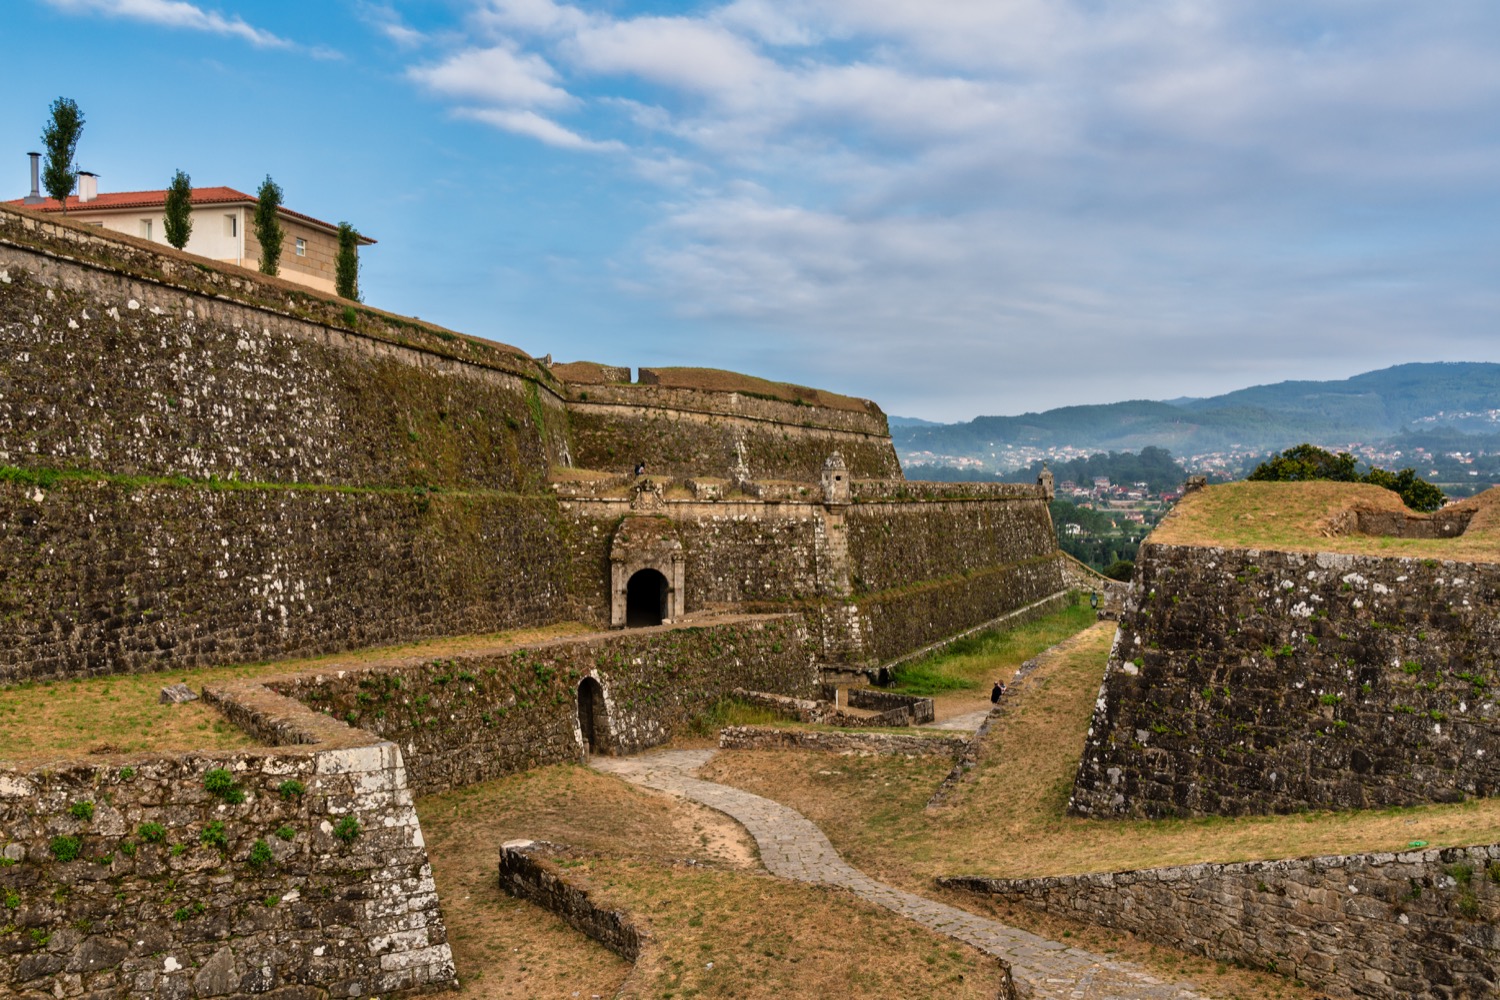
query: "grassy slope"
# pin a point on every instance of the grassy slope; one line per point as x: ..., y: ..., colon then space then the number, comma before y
x: 1293, y: 516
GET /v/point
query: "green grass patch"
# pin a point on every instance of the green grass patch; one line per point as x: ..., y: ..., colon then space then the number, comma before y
x: 728, y: 712
x: 980, y: 659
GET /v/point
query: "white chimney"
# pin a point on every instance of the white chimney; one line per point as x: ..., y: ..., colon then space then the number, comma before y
x: 35, y: 197
x: 88, y: 186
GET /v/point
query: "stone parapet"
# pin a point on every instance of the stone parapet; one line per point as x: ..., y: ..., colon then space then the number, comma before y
x: 768, y: 738
x: 1417, y: 925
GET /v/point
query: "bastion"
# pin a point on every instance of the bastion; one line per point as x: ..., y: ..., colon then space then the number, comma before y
x: 202, y: 466
x: 1290, y: 646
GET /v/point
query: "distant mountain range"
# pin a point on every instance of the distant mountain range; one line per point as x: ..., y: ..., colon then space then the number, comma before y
x: 1448, y: 400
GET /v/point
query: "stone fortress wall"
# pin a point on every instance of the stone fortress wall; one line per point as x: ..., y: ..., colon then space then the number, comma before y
x: 1247, y: 681
x: 206, y: 465
x: 1418, y: 925
x: 200, y: 465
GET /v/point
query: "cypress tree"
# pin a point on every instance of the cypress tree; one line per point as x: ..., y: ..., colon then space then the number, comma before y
x: 179, y: 221
x: 268, y: 229
x: 60, y: 138
x: 346, y: 265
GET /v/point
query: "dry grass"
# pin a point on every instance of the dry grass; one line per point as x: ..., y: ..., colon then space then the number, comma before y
x: 719, y: 911
x: 120, y: 714
x: 1293, y: 517
x: 1010, y: 819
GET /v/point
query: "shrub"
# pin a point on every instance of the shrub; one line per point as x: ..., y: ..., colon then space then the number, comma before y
x: 151, y: 833
x: 290, y: 789
x: 82, y: 810
x: 286, y: 833
x: 66, y: 848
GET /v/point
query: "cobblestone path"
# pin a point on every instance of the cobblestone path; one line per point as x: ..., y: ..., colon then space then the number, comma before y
x: 969, y: 722
x: 792, y: 847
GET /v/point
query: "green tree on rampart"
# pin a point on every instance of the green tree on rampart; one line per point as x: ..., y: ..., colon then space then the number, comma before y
x: 1307, y: 462
x: 268, y: 231
x: 178, y: 224
x: 346, y: 265
x: 60, y: 138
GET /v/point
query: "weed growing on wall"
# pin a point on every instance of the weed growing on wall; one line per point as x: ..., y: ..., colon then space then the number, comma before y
x: 220, y: 782
x: 346, y: 829
x: 65, y: 848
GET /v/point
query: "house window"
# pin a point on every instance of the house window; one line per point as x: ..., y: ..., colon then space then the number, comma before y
x: 146, y: 228
x: 301, y: 248
x: 231, y: 225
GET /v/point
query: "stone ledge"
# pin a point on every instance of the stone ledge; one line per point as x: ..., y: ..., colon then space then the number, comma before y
x: 764, y: 738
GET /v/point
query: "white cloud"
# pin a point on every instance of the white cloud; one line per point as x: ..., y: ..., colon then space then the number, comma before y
x: 175, y: 14
x: 529, y: 16
x: 997, y: 176
x: 533, y: 125
x: 385, y: 19
x: 686, y: 53
x: 495, y: 74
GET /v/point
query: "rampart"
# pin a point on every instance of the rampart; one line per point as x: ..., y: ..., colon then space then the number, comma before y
x: 875, y: 578
x: 1249, y: 681
x: 1418, y: 924
x: 474, y: 717
x: 680, y: 430
x: 200, y: 464
x: 303, y: 874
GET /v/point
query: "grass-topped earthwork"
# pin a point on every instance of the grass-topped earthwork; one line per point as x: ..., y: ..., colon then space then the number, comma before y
x: 1010, y: 819
x: 1296, y: 517
x: 686, y: 873
x: 120, y: 713
x: 978, y: 660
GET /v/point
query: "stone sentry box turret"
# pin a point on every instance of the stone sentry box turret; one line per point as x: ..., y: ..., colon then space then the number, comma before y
x: 646, y: 572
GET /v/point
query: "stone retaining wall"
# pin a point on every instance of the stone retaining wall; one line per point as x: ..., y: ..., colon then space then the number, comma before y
x: 473, y: 717
x: 527, y: 872
x: 1419, y: 925
x: 304, y: 878
x: 1247, y: 681
x: 764, y: 738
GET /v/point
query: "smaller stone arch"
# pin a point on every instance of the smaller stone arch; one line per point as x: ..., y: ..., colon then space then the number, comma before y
x: 593, y: 717
x: 646, y: 573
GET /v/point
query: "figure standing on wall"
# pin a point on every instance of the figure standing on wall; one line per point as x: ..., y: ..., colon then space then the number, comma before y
x: 640, y: 469
x: 996, y: 692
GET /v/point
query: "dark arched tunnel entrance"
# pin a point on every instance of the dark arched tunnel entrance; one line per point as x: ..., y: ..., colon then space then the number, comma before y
x: 592, y: 720
x: 645, y: 599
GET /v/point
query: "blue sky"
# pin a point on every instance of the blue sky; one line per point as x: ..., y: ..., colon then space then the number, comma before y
x: 961, y: 208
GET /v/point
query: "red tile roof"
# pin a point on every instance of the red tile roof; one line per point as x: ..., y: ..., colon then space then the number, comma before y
x: 126, y: 200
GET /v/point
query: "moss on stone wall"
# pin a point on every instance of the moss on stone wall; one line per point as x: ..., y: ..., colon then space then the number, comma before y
x: 99, y: 576
x: 107, y: 374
